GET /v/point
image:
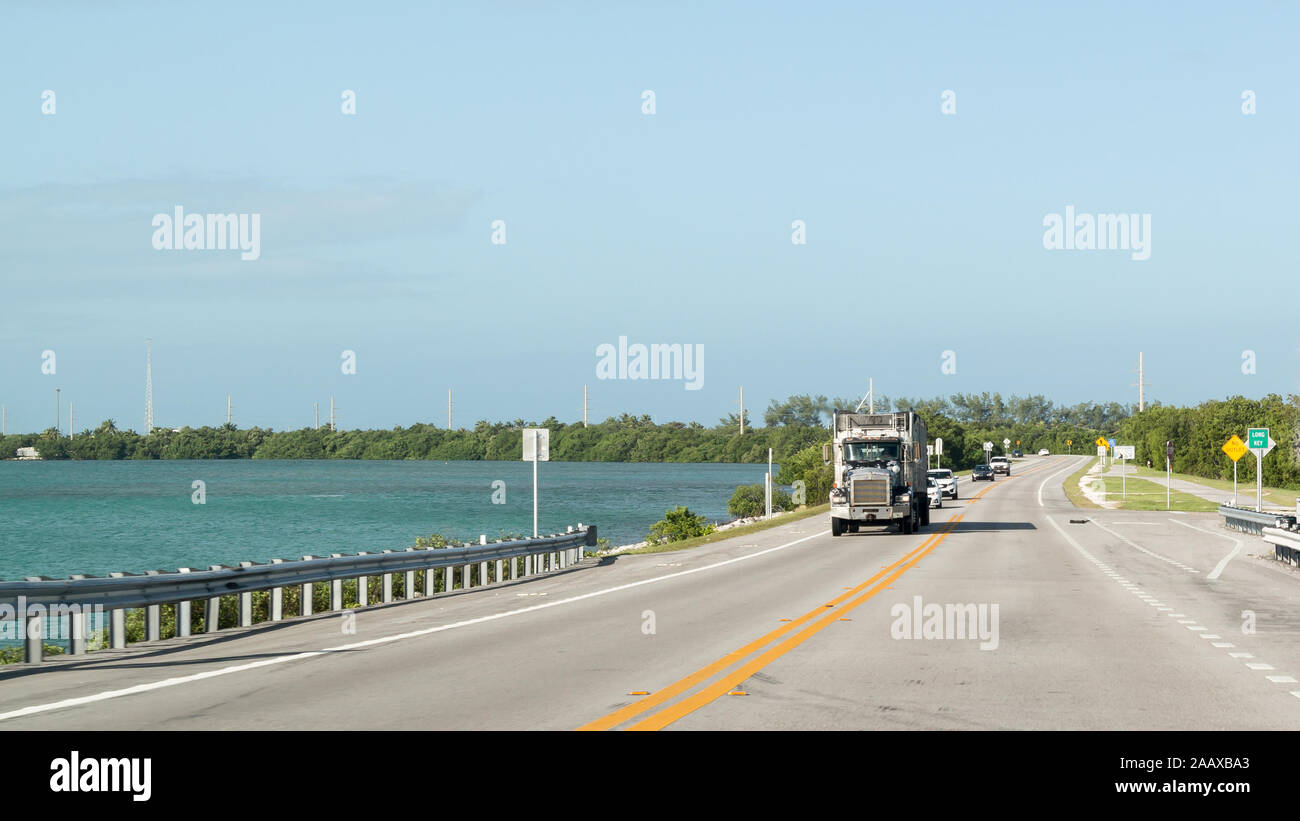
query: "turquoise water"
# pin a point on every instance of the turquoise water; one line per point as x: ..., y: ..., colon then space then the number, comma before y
x: 60, y: 518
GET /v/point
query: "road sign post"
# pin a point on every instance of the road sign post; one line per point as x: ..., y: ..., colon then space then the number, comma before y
x: 537, y: 448
x: 1124, y: 452
x: 1005, y: 444
x: 1260, y: 443
x: 1235, y: 449
x: 1169, y: 466
x: 938, y: 452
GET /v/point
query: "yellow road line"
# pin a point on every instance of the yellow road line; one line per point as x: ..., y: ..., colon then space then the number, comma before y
x: 733, y: 679
x: 660, y: 696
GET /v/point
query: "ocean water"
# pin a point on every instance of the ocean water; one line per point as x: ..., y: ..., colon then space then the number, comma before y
x: 60, y: 518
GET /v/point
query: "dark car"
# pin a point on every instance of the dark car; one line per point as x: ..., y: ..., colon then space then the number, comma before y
x: 1017, y: 454
x: 982, y: 472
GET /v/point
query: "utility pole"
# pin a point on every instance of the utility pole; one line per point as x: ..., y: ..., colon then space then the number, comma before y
x: 2, y: 420
x: 1141, y: 385
x: 584, y: 406
x: 72, y: 419
x: 316, y: 406
x: 331, y: 413
x: 148, y: 387
x: 58, y: 413
x: 227, y: 409
x: 742, y: 410
x: 449, y: 409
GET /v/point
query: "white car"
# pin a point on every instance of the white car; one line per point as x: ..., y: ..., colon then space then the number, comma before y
x: 936, y: 495
x: 945, y: 480
x: 1000, y: 464
x: 1044, y: 452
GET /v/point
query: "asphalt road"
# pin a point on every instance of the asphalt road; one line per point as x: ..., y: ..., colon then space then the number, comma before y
x: 1118, y: 622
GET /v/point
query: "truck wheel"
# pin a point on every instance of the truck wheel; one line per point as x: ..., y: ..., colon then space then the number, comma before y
x: 837, y: 526
x: 925, y: 513
x: 905, y: 526
x: 853, y: 527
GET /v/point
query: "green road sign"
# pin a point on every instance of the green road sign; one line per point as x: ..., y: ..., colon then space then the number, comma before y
x: 1257, y: 438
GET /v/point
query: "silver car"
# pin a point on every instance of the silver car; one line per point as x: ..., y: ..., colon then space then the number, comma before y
x: 936, y: 495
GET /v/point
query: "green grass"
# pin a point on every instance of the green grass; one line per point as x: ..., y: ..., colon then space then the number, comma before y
x: 743, y: 530
x: 1245, y: 486
x: 1072, y: 491
x: 1144, y: 495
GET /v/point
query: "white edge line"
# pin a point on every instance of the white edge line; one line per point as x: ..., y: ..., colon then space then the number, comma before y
x: 1218, y: 568
x: 172, y: 682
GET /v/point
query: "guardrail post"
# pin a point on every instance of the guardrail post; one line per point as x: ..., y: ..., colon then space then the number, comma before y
x: 409, y: 587
x: 465, y: 580
x: 183, y: 610
x: 496, y: 576
x: 363, y: 586
x: 277, y: 598
x: 528, y: 564
x: 448, y: 578
x: 482, y: 573
x: 117, y: 622
x: 212, y: 612
x: 153, y: 615
x: 336, y: 588
x: 79, y: 626
x: 305, y: 594
x: 388, y: 585
x: 246, y: 604
x: 429, y: 577
x: 33, y: 630
x: 514, y: 567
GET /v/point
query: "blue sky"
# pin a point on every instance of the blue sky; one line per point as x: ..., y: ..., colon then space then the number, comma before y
x: 924, y: 230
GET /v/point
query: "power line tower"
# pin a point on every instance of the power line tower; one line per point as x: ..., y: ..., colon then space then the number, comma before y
x: 1141, y: 385
x: 148, y: 387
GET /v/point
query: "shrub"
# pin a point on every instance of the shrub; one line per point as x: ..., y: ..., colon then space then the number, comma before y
x: 678, y: 524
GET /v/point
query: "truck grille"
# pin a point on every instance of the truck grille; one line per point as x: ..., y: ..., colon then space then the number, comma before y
x: 871, y: 492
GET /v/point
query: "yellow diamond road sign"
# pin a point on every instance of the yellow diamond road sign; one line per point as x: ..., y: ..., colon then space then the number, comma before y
x: 1101, y: 443
x: 1235, y: 448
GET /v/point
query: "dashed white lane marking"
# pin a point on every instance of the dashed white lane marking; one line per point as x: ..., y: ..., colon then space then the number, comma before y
x: 1190, y: 624
x: 1137, y: 546
x: 1218, y: 568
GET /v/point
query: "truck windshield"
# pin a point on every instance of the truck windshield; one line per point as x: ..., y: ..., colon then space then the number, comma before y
x: 871, y: 452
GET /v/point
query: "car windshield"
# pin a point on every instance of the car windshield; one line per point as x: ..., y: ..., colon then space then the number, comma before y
x: 941, y: 474
x: 871, y: 452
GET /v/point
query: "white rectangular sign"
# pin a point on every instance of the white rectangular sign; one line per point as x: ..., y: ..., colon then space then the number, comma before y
x: 537, y: 444
x: 1125, y: 451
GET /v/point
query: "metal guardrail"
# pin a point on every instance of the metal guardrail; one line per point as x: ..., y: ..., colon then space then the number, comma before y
x: 38, y: 599
x: 1286, y: 544
x: 1249, y: 521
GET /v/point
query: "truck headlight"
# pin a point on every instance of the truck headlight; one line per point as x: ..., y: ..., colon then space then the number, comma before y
x: 838, y: 494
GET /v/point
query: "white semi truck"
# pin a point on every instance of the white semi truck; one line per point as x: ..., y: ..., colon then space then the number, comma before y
x: 880, y: 471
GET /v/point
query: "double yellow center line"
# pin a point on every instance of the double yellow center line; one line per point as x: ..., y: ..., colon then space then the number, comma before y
x: 815, y: 620
x: 828, y: 614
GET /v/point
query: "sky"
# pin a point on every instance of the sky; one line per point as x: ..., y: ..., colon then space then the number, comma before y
x: 920, y: 147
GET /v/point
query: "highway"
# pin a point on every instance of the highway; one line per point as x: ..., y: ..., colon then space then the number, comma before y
x: 1121, y: 620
